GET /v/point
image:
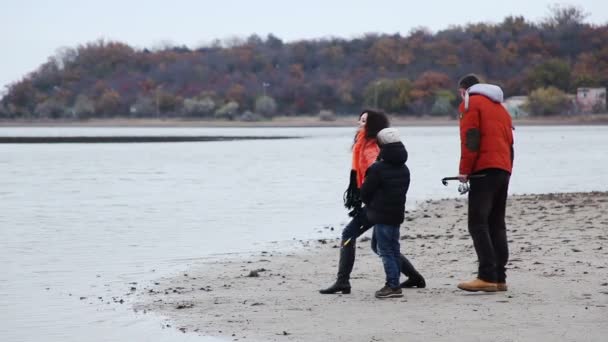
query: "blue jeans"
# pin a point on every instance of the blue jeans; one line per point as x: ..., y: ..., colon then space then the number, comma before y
x: 387, y: 238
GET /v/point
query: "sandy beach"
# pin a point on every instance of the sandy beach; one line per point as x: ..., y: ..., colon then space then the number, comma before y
x: 557, y: 277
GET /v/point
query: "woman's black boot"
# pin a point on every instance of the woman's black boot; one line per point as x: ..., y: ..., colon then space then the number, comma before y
x: 414, y: 282
x: 414, y: 279
x: 345, y: 267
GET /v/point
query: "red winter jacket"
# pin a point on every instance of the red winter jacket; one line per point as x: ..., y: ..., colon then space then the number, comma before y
x: 486, y: 137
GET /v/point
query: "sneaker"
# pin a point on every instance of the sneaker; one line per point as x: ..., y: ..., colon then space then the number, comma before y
x: 387, y: 292
x: 502, y: 287
x: 478, y: 285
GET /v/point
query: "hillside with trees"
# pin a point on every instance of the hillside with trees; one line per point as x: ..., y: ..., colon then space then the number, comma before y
x: 257, y: 78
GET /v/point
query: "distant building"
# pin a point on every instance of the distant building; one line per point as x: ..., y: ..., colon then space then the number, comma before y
x: 591, y: 100
x: 515, y: 106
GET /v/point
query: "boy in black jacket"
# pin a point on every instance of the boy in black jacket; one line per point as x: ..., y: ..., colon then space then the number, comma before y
x: 383, y: 192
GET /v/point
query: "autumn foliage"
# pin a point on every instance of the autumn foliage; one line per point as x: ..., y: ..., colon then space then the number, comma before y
x: 407, y: 75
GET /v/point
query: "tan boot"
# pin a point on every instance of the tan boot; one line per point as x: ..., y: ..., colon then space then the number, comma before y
x: 501, y: 287
x: 478, y: 285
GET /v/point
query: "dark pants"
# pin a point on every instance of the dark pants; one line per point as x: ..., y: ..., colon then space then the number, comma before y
x: 356, y: 227
x: 487, y: 205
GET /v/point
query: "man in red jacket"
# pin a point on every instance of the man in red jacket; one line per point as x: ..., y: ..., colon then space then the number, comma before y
x: 486, y: 144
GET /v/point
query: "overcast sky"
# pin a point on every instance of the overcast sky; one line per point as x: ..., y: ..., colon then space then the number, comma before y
x: 31, y: 31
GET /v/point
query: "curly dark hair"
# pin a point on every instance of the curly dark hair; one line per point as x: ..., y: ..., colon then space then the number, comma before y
x: 376, y: 121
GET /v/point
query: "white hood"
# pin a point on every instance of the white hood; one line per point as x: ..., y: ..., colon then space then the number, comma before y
x: 493, y: 92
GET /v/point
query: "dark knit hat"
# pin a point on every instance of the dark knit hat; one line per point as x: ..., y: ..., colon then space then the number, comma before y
x: 468, y: 81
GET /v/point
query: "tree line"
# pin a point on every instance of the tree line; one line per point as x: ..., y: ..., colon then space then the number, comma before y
x: 255, y: 78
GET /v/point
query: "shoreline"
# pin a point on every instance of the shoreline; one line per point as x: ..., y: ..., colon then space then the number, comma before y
x: 558, y: 282
x: 300, y: 121
x: 130, y: 139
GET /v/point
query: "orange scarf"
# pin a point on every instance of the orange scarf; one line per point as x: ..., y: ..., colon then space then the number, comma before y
x: 365, y: 153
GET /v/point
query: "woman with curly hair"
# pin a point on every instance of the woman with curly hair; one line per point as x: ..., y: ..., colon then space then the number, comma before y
x: 365, y: 151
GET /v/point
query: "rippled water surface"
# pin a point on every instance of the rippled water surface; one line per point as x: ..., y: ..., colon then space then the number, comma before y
x: 86, y: 220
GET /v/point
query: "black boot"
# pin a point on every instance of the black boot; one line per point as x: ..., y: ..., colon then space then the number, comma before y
x: 414, y: 282
x: 414, y: 279
x: 345, y: 267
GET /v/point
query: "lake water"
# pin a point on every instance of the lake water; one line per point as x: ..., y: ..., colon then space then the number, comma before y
x: 86, y: 220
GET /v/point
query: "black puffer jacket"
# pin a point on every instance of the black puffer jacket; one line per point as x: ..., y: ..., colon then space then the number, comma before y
x: 386, y: 184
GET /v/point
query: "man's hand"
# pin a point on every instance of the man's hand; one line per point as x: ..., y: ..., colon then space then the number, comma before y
x: 463, y: 178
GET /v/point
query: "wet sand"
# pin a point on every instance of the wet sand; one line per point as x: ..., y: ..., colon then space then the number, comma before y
x: 557, y: 277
